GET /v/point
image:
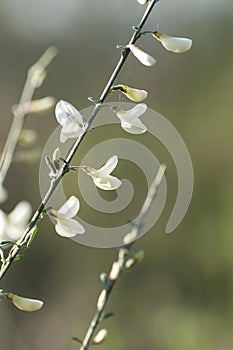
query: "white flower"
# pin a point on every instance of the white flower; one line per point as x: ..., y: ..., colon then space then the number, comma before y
x: 101, y: 177
x: 66, y: 226
x: 142, y: 2
x: 174, y: 44
x: 130, y: 121
x: 133, y: 94
x: 72, y: 122
x: 3, y: 194
x: 14, y: 224
x: 142, y: 56
x: 25, y: 304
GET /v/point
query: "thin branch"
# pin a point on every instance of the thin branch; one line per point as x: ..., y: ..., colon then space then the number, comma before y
x: 123, y: 255
x: 26, y: 237
x: 35, y: 77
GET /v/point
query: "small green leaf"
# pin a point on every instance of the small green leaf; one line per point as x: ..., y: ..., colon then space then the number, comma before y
x: 18, y: 257
x: 139, y: 256
x: 105, y: 316
x: 35, y: 230
x: 77, y: 340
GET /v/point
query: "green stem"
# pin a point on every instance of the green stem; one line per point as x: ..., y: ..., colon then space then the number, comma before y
x: 124, y: 253
x: 65, y: 168
x: 31, y: 83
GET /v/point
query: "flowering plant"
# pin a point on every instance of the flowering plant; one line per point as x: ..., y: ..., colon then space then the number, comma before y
x: 17, y: 230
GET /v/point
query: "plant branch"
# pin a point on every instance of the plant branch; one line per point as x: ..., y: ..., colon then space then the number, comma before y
x: 26, y: 237
x: 123, y: 255
x: 35, y: 77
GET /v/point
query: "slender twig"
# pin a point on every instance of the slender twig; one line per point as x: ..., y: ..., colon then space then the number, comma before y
x: 123, y: 255
x: 34, y: 79
x: 26, y: 237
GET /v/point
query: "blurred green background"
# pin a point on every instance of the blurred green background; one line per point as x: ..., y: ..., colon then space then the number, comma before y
x: 181, y: 296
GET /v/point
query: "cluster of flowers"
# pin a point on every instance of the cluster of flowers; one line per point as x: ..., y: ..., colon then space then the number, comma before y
x: 74, y: 125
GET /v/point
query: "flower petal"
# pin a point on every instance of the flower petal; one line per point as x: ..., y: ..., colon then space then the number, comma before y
x: 142, y: 56
x: 65, y: 111
x: 63, y: 138
x: 14, y: 231
x: 133, y: 94
x: 69, y: 209
x: 174, y: 44
x: 108, y: 167
x: 21, y: 214
x: 26, y: 304
x: 132, y: 114
x: 70, y: 131
x: 136, y: 127
x: 69, y: 227
x: 107, y: 183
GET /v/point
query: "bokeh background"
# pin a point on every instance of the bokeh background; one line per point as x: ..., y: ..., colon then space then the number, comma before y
x: 181, y: 296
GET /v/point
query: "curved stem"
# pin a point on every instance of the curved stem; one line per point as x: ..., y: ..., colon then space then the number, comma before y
x: 65, y: 168
x: 123, y: 255
x: 32, y: 82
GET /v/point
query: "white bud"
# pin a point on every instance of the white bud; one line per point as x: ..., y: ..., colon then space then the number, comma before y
x: 130, y: 237
x: 102, y: 299
x: 173, y: 44
x: 25, y: 304
x: 133, y: 94
x: 129, y: 263
x: 100, y: 336
x: 114, y: 271
x: 142, y: 56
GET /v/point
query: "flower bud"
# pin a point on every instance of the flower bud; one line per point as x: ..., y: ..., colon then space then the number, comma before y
x: 102, y: 299
x: 133, y: 94
x: 130, y: 237
x: 115, y: 271
x: 100, y: 336
x: 25, y: 304
x: 173, y: 44
x: 142, y: 56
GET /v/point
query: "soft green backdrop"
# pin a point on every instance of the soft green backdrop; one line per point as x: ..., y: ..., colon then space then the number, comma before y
x: 181, y: 296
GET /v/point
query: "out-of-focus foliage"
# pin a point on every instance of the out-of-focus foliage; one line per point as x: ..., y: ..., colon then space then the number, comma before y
x: 181, y: 296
